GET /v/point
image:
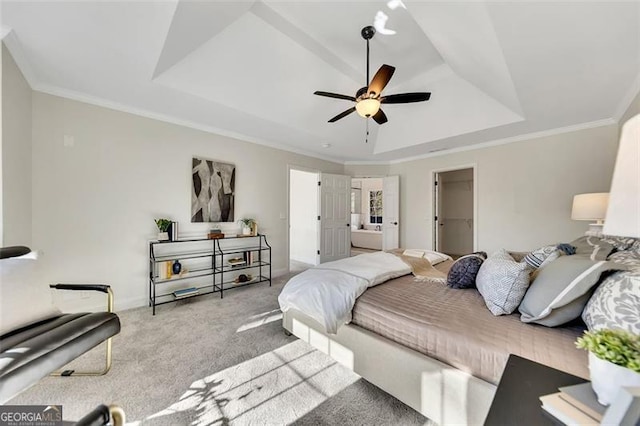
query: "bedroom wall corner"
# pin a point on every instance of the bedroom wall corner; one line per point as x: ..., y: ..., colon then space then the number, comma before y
x: 16, y: 183
x: 634, y: 109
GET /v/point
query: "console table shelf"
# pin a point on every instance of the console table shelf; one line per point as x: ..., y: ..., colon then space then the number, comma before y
x: 205, y: 266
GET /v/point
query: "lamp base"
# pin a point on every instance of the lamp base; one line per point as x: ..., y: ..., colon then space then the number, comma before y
x: 595, y: 229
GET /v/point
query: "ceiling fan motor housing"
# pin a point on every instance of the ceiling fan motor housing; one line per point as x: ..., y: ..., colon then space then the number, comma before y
x: 368, y: 32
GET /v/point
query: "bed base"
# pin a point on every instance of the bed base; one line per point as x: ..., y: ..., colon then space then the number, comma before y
x: 440, y: 392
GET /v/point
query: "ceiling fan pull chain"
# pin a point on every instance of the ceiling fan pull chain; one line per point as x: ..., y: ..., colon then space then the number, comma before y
x: 366, y: 139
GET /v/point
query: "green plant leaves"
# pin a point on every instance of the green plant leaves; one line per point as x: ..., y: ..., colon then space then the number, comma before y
x: 616, y: 346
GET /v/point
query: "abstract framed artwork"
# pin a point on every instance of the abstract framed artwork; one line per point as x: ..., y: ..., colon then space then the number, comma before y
x: 212, y: 191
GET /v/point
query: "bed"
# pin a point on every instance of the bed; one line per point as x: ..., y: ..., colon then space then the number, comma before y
x: 439, y: 350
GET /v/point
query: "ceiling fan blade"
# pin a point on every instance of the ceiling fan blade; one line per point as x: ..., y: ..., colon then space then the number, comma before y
x: 342, y: 115
x: 406, y: 98
x: 380, y: 117
x: 334, y: 95
x: 380, y: 80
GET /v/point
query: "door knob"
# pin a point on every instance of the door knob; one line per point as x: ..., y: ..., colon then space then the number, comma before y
x: 394, y: 223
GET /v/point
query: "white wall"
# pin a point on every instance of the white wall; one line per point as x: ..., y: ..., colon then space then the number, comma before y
x: 303, y: 217
x: 525, y: 189
x: 94, y: 203
x: 16, y: 155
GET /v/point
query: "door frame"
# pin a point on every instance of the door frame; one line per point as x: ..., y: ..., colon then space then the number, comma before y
x: 434, y: 172
x: 308, y: 170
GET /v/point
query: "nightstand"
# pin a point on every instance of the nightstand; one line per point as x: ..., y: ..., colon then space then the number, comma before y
x: 517, y: 397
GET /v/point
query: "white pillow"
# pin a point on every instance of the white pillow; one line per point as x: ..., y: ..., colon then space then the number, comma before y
x: 24, y: 297
x: 432, y: 256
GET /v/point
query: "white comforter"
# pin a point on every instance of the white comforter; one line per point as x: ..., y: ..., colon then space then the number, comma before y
x: 328, y: 291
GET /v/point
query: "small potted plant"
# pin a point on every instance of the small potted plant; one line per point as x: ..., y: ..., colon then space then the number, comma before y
x: 614, y: 361
x: 163, y: 228
x: 247, y: 225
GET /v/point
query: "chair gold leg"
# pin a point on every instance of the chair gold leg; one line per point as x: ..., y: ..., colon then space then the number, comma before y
x: 90, y: 373
x: 117, y: 415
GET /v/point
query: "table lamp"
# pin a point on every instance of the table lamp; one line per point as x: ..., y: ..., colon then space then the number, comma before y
x: 591, y: 206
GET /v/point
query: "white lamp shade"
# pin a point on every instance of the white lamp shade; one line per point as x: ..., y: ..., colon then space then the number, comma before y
x: 591, y: 206
x: 623, y: 215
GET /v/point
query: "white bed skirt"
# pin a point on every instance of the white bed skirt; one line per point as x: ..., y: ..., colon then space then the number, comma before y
x: 440, y: 392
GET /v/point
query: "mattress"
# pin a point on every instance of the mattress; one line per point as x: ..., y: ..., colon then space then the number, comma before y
x: 454, y: 326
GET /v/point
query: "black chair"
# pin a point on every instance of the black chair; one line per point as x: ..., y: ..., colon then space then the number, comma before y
x: 34, y: 351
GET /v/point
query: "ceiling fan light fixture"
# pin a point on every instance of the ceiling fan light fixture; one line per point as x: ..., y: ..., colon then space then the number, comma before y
x: 368, y: 107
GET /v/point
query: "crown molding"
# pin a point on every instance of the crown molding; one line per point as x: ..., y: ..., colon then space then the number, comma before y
x: 105, y: 103
x: 514, y: 139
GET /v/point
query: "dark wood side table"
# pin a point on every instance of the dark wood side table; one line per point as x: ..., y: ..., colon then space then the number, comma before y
x: 517, y: 397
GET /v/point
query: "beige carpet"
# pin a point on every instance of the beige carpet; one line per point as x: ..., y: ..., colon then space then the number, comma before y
x: 208, y: 361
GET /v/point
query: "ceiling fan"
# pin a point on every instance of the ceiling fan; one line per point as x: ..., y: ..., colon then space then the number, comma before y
x: 369, y: 98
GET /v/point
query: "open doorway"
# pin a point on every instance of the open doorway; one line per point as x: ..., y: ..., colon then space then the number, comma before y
x: 366, y: 215
x: 454, y: 211
x: 303, y: 219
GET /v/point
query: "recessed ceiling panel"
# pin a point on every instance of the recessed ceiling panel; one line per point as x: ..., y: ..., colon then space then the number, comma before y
x: 338, y: 25
x: 456, y: 107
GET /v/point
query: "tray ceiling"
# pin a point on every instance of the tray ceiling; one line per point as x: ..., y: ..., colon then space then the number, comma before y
x: 249, y: 68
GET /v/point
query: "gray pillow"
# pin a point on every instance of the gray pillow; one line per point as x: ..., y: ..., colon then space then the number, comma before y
x: 592, y: 247
x: 562, y: 289
x: 502, y: 282
x: 615, y: 304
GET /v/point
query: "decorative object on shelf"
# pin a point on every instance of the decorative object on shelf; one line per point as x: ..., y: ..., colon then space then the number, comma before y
x: 247, y: 226
x: 614, y: 361
x: 185, y: 292
x: 215, y: 233
x: 173, y: 231
x: 163, y: 228
x: 243, y: 278
x: 591, y: 206
x: 177, y: 267
x: 236, y: 261
x: 212, y: 191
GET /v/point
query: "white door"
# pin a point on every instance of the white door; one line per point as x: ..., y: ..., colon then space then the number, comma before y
x: 335, y: 217
x: 438, y: 230
x: 390, y: 212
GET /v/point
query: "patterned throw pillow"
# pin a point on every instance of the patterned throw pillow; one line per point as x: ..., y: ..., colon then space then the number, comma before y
x: 541, y: 257
x: 630, y: 259
x: 463, y: 272
x: 615, y: 304
x: 619, y: 243
x: 593, y: 247
x: 503, y: 282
